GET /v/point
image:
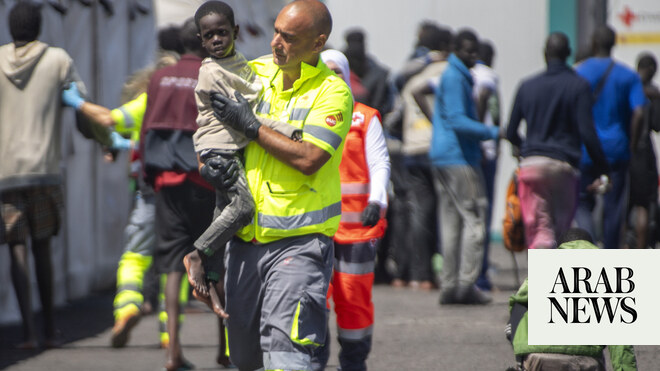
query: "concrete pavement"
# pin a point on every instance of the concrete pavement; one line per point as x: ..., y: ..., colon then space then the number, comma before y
x: 412, y: 332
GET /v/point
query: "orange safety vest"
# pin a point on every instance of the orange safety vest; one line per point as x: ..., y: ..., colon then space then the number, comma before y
x: 354, y: 175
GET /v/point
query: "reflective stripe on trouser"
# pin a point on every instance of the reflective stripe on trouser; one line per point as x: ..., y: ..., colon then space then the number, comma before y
x: 130, y: 275
x: 139, y: 237
x: 276, y: 301
x: 352, y: 283
x: 140, y: 234
x: 162, y: 314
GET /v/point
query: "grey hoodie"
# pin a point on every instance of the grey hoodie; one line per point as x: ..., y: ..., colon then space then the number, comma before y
x: 31, y: 81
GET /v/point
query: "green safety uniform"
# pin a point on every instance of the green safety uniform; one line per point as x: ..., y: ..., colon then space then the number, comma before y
x: 282, y: 263
x: 139, y: 233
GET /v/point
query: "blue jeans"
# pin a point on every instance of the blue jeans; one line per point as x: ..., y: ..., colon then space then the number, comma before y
x: 614, y: 204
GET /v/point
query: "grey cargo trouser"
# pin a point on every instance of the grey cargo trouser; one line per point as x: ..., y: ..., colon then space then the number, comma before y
x: 276, y: 301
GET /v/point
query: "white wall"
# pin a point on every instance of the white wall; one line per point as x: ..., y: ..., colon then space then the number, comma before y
x: 516, y: 28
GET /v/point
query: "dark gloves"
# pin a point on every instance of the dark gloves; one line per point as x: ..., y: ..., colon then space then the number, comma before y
x: 237, y: 114
x: 220, y: 172
x: 371, y: 215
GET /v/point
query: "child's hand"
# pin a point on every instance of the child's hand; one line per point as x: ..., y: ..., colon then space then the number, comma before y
x: 220, y: 173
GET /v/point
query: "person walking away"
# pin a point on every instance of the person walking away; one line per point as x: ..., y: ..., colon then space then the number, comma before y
x: 556, y: 105
x: 643, y: 195
x: 184, y: 200
x: 617, y: 112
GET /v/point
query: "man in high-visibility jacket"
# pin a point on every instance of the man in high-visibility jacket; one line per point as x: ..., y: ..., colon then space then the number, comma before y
x: 364, y: 173
x: 279, y: 266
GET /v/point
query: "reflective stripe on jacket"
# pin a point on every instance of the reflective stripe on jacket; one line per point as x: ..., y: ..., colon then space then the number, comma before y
x: 289, y: 203
x: 128, y: 117
x: 354, y: 174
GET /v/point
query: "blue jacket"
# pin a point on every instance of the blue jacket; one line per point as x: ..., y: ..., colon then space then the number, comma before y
x: 622, y: 93
x: 456, y: 131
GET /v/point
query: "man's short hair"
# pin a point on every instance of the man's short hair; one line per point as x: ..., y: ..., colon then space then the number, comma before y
x: 189, y: 39
x: 25, y: 21
x: 465, y: 35
x: 214, y: 7
x: 169, y: 38
x: 486, y: 52
x: 604, y: 37
x: 434, y: 37
x: 557, y: 45
x: 354, y: 35
x: 646, y: 60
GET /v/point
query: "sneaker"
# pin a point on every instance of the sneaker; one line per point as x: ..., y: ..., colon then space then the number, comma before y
x: 122, y: 329
x: 472, y: 295
x: 448, y: 296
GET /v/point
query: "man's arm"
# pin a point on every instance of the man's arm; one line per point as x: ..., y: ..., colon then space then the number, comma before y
x: 419, y: 94
x: 635, y: 127
x: 636, y: 100
x: 482, y: 103
x: 458, y: 119
x: 319, y: 141
x: 512, y: 129
x: 302, y: 156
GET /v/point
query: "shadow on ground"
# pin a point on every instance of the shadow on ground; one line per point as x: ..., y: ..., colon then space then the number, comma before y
x: 82, y: 318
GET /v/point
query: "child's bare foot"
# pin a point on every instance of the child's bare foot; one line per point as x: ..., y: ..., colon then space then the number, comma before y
x: 217, y: 306
x: 196, y: 274
x: 212, y: 301
x: 204, y: 299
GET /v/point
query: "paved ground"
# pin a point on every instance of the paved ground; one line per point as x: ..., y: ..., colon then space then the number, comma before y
x: 412, y: 333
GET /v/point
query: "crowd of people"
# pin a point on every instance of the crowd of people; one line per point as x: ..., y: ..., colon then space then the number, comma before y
x: 277, y: 188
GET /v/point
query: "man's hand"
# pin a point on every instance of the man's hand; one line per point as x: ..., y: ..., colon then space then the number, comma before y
x: 237, y: 114
x: 71, y: 96
x: 371, y: 215
x: 600, y: 186
x: 219, y: 172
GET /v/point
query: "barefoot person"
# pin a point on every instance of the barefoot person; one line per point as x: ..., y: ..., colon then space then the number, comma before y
x: 184, y: 201
x: 225, y: 71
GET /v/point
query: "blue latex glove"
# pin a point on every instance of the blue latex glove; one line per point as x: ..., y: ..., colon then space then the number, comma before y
x: 71, y: 96
x: 119, y: 143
